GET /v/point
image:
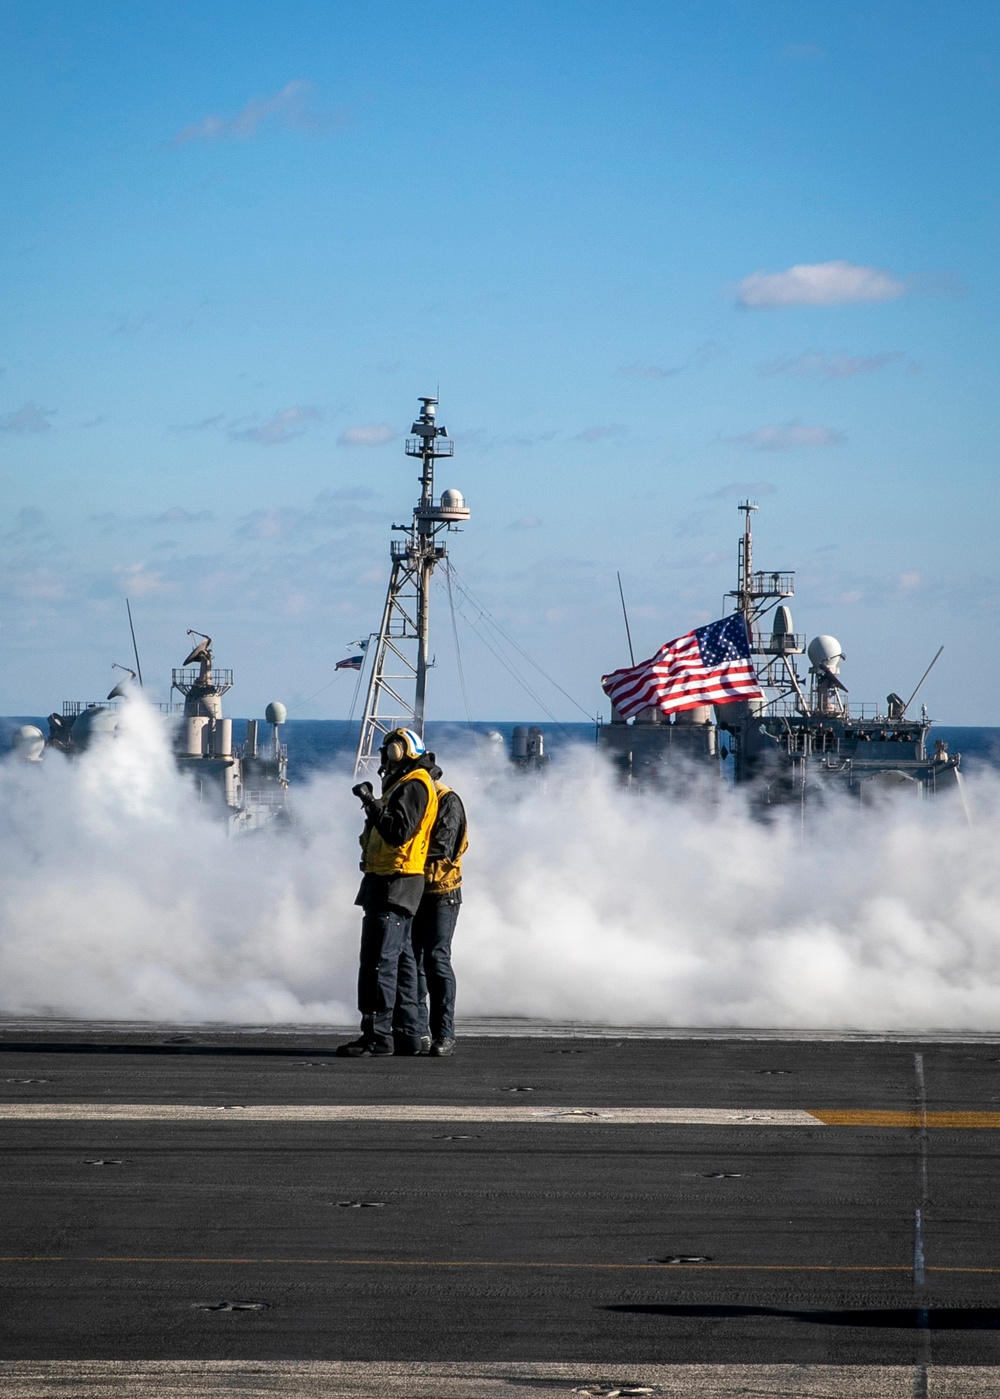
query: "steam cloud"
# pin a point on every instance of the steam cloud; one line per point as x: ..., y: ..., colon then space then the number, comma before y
x: 122, y: 898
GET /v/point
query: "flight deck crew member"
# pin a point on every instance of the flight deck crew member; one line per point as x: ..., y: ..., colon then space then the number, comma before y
x: 435, y: 919
x: 394, y: 847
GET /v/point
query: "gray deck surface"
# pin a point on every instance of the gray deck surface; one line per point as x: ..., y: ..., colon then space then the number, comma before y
x: 499, y: 1244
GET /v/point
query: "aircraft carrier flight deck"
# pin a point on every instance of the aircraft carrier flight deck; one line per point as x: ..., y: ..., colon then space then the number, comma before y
x: 195, y: 1210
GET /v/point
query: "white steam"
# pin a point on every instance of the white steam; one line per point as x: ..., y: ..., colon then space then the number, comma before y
x: 122, y: 898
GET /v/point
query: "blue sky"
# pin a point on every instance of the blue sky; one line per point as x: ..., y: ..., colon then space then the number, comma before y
x: 654, y: 255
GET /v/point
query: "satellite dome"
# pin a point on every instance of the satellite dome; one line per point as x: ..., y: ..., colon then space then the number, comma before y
x: 452, y: 500
x: 93, y: 724
x: 825, y: 651
x: 28, y: 743
x: 275, y: 713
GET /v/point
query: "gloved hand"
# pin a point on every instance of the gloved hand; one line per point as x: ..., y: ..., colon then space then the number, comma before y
x: 364, y: 792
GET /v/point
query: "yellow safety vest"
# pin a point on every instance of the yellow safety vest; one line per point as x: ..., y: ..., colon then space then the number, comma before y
x: 409, y: 858
x: 444, y: 875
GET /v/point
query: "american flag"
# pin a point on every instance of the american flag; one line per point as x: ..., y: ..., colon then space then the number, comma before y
x: 710, y: 665
x: 350, y: 663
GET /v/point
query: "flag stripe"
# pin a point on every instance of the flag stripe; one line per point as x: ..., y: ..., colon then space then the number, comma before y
x: 710, y: 665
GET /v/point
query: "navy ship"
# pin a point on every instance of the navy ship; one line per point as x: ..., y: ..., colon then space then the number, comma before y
x: 245, y: 783
x: 803, y: 736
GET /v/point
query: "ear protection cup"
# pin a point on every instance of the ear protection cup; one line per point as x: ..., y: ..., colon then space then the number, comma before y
x: 400, y: 744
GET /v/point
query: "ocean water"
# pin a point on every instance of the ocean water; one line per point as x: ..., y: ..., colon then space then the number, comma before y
x: 318, y: 744
x: 315, y: 744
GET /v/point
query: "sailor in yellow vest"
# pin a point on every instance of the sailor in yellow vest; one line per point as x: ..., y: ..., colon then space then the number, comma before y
x: 435, y: 919
x: 394, y: 846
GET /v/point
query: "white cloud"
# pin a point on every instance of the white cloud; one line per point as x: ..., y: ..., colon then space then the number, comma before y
x: 31, y: 418
x: 281, y: 428
x: 203, y: 426
x: 818, y: 284
x: 526, y: 522
x: 290, y: 108
x: 813, y: 364
x: 783, y: 437
x: 279, y: 522
x: 909, y: 581
x: 138, y: 581
x: 367, y: 435
x: 601, y: 432
x: 177, y: 515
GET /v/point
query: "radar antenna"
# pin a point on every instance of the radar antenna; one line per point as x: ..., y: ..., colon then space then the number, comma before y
x: 400, y: 663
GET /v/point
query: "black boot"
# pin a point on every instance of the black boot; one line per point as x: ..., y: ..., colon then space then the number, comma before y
x: 363, y: 1049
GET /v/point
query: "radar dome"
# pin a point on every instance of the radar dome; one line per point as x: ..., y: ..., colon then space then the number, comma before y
x: 825, y: 651
x: 92, y: 725
x: 452, y: 500
x: 275, y: 713
x: 29, y: 743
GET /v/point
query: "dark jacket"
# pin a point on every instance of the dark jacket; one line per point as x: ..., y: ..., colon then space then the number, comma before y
x: 446, y: 839
x: 397, y: 822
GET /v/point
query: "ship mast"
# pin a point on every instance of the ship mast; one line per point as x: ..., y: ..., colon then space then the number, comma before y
x: 755, y: 595
x: 397, y: 686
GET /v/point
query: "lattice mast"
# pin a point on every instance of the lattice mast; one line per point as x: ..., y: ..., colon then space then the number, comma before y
x: 397, y: 685
x: 757, y: 592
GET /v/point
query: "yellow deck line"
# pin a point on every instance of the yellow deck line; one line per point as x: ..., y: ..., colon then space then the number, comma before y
x: 881, y: 1117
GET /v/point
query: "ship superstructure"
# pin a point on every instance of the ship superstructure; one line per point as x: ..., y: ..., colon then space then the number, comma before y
x: 805, y: 734
x: 247, y: 783
x: 250, y: 779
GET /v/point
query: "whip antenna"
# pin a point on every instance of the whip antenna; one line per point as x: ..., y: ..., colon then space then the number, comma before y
x: 922, y: 679
x: 135, y: 649
x: 628, y: 633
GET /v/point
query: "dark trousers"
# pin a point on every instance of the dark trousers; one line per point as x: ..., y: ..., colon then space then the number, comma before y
x: 387, y: 978
x: 433, y: 929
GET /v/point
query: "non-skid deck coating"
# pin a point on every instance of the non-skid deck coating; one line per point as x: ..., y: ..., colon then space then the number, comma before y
x: 368, y: 1380
x: 581, y: 1211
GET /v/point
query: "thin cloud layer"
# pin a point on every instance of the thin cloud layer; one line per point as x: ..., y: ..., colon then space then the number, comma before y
x: 812, y: 364
x: 836, y: 283
x: 289, y: 108
x: 367, y: 435
x: 601, y: 432
x: 178, y: 515
x: 205, y: 425
x: 647, y: 371
x: 283, y: 427
x: 31, y: 418
x: 784, y: 437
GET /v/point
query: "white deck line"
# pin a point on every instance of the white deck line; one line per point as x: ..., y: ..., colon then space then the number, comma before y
x: 192, y: 1379
x: 408, y: 1112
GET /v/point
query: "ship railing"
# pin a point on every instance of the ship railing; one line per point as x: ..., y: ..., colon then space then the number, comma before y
x: 765, y: 643
x: 763, y: 583
x: 187, y: 677
x: 864, y: 709
x: 439, y: 446
x: 71, y: 708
